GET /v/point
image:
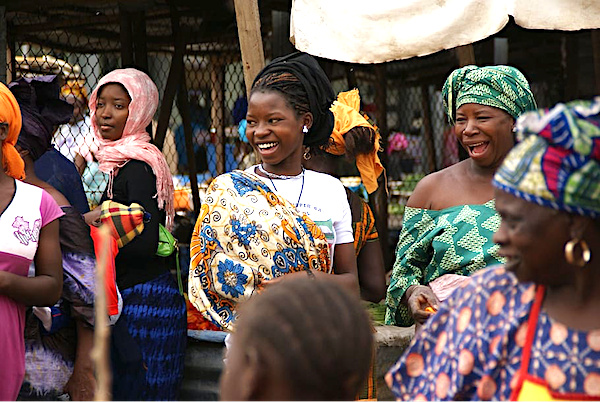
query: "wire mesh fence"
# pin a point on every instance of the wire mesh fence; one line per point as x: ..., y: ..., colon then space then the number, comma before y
x: 416, y: 135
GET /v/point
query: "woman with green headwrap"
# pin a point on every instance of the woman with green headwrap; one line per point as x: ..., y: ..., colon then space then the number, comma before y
x: 450, y: 218
x: 528, y: 330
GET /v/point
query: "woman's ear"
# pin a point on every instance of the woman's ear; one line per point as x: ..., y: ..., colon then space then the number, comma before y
x: 578, y: 226
x: 307, y: 120
x: 251, y: 378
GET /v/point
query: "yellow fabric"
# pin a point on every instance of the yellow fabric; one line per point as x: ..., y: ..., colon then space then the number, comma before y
x: 346, y: 110
x: 530, y: 391
x: 10, y: 113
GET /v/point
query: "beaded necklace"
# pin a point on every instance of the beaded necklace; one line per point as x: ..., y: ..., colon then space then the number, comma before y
x: 272, y: 176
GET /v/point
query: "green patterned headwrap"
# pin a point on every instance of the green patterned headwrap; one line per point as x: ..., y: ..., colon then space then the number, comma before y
x: 503, y: 87
x: 557, y: 160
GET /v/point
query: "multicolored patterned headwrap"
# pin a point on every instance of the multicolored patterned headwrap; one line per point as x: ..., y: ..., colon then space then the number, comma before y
x: 503, y: 87
x: 245, y: 236
x: 557, y: 160
x: 10, y: 114
x: 346, y: 110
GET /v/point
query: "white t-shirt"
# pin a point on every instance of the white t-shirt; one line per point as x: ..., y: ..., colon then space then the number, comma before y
x: 322, y: 198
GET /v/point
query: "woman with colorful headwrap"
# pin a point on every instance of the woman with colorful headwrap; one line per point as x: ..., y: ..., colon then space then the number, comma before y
x: 450, y: 218
x: 153, y: 320
x: 528, y: 330
x: 274, y: 220
x: 355, y: 140
x: 29, y: 227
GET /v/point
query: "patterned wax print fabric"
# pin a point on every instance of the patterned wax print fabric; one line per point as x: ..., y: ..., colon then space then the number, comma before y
x: 364, y: 226
x: 471, y: 348
x: 246, y: 235
x: 51, y: 333
x: 455, y: 240
x: 503, y: 87
x: 30, y: 210
x: 556, y: 163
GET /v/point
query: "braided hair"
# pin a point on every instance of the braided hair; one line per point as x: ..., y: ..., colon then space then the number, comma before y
x: 318, y: 333
x: 303, y: 83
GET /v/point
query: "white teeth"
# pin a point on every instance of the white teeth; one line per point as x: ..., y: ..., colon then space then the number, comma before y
x: 266, y: 145
x: 476, y: 145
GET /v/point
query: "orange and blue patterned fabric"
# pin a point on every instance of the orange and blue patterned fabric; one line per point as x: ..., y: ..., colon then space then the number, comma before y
x: 245, y: 236
x: 556, y: 163
x: 471, y: 348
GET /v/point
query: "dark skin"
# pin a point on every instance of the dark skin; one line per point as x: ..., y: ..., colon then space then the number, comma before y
x: 532, y: 238
x: 82, y: 384
x: 371, y: 270
x: 45, y: 288
x: 485, y: 132
x: 271, y: 119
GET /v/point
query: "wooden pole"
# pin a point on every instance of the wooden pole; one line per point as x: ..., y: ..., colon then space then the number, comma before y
x: 216, y: 111
x: 184, y: 109
x: 465, y: 55
x: 251, y: 46
x: 126, y: 36
x: 428, y: 132
x: 176, y: 73
x: 596, y: 53
x: 379, y: 199
x: 100, y: 350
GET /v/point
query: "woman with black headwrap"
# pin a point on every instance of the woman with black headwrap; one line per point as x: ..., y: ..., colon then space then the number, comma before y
x: 274, y: 219
x: 58, y: 339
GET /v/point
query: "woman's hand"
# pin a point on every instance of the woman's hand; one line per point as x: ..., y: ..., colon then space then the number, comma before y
x: 92, y: 218
x: 420, y: 297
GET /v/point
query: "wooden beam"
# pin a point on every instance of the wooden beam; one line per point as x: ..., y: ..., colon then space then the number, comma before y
x: 176, y: 73
x: 183, y: 105
x: 138, y: 29
x: 217, y: 120
x: 126, y: 36
x: 596, y: 55
x: 465, y: 55
x: 379, y: 199
x: 251, y: 46
x: 428, y: 132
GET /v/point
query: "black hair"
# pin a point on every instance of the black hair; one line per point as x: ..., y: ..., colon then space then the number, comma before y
x: 290, y: 87
x: 113, y: 83
x: 304, y: 84
x: 319, y: 333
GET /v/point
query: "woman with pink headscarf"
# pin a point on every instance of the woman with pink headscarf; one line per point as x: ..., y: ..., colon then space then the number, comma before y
x: 147, y: 348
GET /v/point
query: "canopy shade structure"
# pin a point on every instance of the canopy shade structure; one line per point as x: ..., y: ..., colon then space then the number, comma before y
x: 377, y: 31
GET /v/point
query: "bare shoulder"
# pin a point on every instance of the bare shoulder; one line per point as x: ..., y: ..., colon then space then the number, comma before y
x: 436, y: 187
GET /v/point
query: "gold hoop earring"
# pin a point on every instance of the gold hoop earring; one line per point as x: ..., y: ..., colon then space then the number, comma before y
x: 586, y: 253
x: 307, y: 154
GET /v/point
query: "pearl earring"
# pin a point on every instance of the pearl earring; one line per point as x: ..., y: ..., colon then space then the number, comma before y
x: 305, y: 129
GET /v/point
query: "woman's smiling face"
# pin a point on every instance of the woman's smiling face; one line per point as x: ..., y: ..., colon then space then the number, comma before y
x: 112, y: 111
x: 485, y: 132
x: 275, y: 131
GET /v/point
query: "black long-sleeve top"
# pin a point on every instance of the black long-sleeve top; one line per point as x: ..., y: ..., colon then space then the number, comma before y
x: 137, y: 261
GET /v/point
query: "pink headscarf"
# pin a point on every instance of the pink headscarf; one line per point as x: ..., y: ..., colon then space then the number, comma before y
x: 135, y: 142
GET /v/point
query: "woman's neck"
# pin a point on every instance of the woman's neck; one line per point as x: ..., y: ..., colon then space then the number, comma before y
x: 576, y: 305
x: 288, y: 169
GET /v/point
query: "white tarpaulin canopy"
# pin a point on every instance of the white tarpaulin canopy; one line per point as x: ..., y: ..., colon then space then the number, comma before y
x: 376, y: 31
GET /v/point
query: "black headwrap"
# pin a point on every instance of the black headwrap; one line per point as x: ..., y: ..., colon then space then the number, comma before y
x: 42, y: 111
x: 317, y: 86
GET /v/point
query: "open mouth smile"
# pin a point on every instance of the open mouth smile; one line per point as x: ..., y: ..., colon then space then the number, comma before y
x: 266, y: 146
x: 478, y: 148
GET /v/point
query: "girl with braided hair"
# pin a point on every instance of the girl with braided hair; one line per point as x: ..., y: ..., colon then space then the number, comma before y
x: 299, y: 340
x: 275, y: 219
